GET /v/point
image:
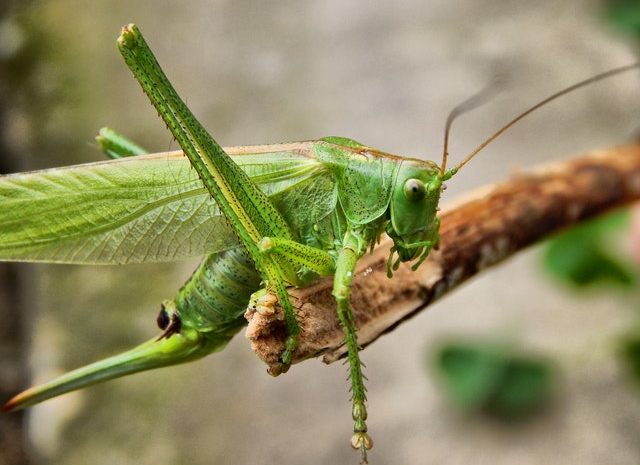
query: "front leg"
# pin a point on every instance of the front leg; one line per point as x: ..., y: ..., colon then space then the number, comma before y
x: 345, y: 267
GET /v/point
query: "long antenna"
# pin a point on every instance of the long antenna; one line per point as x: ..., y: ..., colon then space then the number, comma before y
x: 586, y: 82
x: 471, y: 103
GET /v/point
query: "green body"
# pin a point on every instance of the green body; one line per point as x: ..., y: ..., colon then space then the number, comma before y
x: 307, y: 182
x: 265, y: 217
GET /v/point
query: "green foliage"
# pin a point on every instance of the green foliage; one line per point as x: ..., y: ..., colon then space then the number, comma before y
x: 586, y: 255
x: 488, y: 378
x: 582, y: 256
x: 630, y: 355
x: 624, y: 15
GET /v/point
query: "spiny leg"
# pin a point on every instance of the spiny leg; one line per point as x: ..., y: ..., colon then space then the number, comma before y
x: 293, y: 328
x: 347, y: 260
x: 249, y: 212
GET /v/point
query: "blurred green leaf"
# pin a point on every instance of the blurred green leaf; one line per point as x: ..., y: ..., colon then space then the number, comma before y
x: 630, y: 355
x: 525, y: 385
x: 469, y: 373
x: 581, y: 255
x: 486, y: 377
x: 624, y: 14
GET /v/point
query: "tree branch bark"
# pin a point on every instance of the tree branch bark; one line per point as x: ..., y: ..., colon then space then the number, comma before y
x: 486, y: 227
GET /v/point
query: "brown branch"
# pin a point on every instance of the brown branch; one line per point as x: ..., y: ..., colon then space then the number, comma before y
x: 481, y: 230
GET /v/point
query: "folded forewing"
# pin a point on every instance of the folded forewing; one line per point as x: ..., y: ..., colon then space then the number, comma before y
x: 150, y: 208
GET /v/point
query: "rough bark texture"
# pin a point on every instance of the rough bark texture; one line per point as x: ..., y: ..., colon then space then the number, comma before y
x: 481, y: 230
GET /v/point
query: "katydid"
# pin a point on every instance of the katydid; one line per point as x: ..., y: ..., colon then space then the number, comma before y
x: 236, y: 208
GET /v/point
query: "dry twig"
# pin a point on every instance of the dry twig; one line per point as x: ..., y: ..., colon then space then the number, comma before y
x: 481, y: 230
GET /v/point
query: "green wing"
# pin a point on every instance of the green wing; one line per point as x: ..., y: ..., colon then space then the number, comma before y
x: 150, y: 208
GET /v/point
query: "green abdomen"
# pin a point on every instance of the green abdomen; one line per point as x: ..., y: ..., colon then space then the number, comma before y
x: 217, y: 294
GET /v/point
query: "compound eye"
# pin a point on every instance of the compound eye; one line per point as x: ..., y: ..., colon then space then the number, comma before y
x: 414, y: 190
x: 163, y: 319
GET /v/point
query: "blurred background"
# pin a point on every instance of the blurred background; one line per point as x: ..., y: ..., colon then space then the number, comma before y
x: 386, y: 75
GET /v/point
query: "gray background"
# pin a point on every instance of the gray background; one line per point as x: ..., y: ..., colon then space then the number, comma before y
x: 386, y: 74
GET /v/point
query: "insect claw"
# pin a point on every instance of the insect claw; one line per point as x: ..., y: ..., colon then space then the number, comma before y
x: 363, y: 442
x: 278, y: 369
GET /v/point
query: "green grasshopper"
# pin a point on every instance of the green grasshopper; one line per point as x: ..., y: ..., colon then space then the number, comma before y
x: 236, y: 208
